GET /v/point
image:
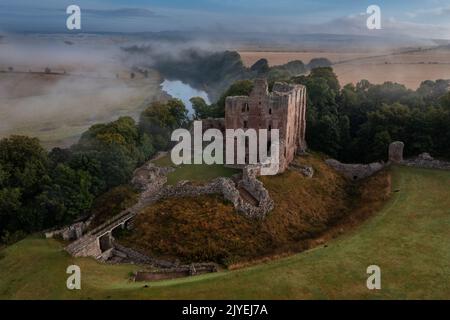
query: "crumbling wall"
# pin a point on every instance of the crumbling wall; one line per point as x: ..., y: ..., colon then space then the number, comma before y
x: 396, y: 151
x: 425, y: 160
x: 228, y: 189
x: 149, y: 179
x: 89, y: 247
x: 355, y: 171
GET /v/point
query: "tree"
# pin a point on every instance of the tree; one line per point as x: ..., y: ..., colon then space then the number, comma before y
x: 445, y: 101
x: 68, y: 196
x: 110, y: 153
x: 201, y: 109
x: 260, y: 67
x: 23, y: 173
x: 319, y: 63
x: 160, y: 119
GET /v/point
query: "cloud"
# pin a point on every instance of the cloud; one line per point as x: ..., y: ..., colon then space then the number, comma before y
x: 391, y: 27
x: 122, y: 13
x: 442, y: 11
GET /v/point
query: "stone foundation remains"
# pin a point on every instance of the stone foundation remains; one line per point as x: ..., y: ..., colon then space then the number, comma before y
x: 425, y: 160
x: 230, y: 191
x: 355, y: 171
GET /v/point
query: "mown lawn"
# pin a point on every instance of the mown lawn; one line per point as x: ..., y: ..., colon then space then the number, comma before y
x: 409, y: 239
x: 194, y: 172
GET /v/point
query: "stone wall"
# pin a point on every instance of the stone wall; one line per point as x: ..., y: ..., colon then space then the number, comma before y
x: 355, y: 171
x: 425, y: 160
x: 131, y: 255
x: 71, y: 232
x: 256, y: 188
x: 150, y: 180
x: 89, y: 248
x: 227, y: 188
x: 178, y: 272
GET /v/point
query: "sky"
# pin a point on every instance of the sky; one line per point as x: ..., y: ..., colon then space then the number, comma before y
x: 419, y: 18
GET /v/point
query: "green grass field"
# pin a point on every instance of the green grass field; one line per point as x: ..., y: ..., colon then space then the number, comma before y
x: 409, y: 239
x: 194, y: 172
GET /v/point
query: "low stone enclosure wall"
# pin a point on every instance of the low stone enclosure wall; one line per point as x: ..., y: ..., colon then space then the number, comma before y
x: 356, y: 171
x: 152, y: 183
x: 72, y: 232
x: 164, y: 269
x: 176, y: 272
x: 150, y: 180
x: 361, y: 171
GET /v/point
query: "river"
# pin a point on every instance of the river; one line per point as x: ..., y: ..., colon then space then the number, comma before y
x: 184, y: 92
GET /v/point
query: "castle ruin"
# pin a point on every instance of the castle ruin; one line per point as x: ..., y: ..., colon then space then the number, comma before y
x: 284, y: 109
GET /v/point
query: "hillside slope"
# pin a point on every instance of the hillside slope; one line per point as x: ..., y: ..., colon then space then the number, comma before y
x: 205, y: 228
x: 409, y: 240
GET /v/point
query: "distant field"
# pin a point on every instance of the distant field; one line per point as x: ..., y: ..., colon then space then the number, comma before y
x: 409, y: 239
x: 408, y: 68
x: 58, y: 108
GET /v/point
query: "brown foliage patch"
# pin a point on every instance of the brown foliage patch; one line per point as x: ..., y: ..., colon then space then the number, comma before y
x: 307, y: 209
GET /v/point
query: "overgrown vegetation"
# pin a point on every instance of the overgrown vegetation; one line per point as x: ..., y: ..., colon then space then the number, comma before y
x: 205, y: 228
x: 39, y: 190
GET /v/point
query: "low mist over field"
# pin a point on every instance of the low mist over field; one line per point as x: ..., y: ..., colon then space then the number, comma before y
x: 54, y: 86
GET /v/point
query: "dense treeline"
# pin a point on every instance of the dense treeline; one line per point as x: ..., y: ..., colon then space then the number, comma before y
x: 357, y: 123
x: 215, y: 71
x: 40, y: 190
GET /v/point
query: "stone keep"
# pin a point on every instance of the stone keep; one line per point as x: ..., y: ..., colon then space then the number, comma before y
x: 396, y: 151
x: 284, y: 109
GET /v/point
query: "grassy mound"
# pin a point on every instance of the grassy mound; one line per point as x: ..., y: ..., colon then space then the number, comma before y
x: 205, y: 228
x: 408, y: 239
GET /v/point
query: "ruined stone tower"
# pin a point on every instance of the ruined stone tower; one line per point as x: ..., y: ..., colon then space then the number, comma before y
x: 284, y: 109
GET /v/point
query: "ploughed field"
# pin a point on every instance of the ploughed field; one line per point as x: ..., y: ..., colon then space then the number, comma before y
x: 408, y: 238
